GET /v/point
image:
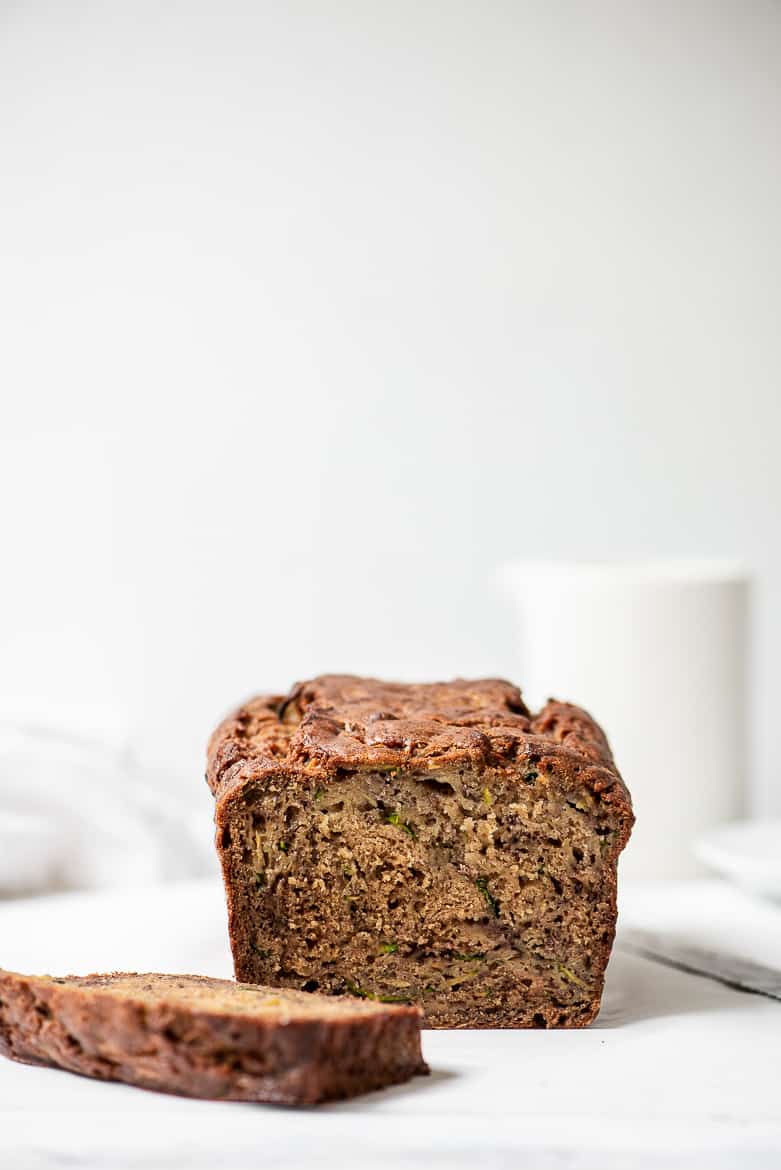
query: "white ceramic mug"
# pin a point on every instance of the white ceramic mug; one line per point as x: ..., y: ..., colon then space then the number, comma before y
x: 656, y: 651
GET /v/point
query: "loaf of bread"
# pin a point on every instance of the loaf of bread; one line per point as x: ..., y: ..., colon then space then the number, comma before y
x: 204, y: 1037
x: 431, y: 844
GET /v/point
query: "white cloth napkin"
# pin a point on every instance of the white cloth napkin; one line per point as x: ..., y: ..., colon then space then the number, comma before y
x: 75, y: 812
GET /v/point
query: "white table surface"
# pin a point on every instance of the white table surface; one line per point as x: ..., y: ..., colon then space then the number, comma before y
x: 677, y: 1071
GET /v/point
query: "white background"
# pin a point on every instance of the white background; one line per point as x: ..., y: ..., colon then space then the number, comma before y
x: 314, y: 312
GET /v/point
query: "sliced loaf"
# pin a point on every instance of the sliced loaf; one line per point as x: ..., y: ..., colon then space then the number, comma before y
x: 439, y: 844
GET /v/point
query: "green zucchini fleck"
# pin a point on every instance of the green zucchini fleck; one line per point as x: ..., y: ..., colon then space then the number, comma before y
x: 361, y: 993
x: 490, y: 900
x: 354, y: 989
x: 393, y: 818
x: 389, y: 948
x: 570, y: 976
x: 282, y: 846
x: 260, y: 879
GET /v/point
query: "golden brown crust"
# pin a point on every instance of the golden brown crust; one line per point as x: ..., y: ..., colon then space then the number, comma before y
x: 342, y: 721
x: 99, y: 1027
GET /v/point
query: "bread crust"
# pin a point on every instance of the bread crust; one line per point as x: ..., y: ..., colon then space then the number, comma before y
x: 157, y: 1042
x: 336, y: 722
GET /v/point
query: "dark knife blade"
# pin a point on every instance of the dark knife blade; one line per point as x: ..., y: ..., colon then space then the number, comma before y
x: 731, y: 970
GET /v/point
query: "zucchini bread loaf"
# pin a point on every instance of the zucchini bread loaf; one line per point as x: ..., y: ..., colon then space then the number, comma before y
x: 207, y: 1037
x: 432, y: 844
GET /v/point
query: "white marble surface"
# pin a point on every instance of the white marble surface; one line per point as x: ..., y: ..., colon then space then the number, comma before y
x: 677, y: 1071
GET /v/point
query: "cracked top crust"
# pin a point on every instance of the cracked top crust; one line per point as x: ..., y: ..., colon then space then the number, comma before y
x: 338, y: 722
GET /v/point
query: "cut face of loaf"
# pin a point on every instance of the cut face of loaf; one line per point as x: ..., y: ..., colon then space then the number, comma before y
x: 436, y: 845
x: 203, y: 1037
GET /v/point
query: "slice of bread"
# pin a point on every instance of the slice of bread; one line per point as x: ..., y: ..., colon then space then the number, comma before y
x: 203, y: 1037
